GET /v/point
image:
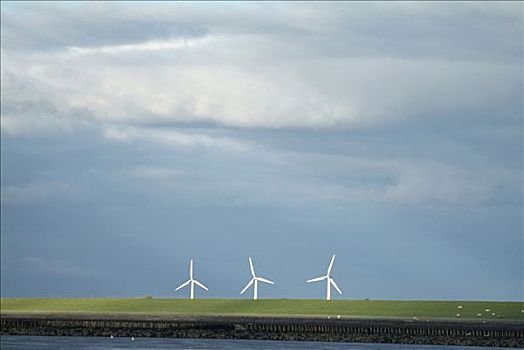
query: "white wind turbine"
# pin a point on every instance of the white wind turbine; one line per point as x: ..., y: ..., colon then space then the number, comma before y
x: 328, y: 279
x: 254, y: 280
x: 191, y: 281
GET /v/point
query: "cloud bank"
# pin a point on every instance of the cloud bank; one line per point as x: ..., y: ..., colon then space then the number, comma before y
x: 307, y: 66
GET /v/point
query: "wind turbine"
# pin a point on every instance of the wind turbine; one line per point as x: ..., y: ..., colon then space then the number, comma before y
x: 254, y: 281
x: 330, y: 281
x: 191, y: 281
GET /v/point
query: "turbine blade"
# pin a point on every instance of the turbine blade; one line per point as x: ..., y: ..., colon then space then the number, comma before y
x: 247, y: 286
x: 251, y: 267
x: 331, y: 264
x: 191, y: 269
x: 332, y: 281
x: 264, y: 280
x: 200, y: 284
x: 316, y: 279
x: 183, y: 285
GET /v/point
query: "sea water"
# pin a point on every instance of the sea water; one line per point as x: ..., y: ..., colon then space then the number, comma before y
x: 99, y: 343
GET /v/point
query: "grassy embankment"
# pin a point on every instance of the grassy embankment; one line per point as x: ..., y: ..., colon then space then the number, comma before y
x: 269, y: 307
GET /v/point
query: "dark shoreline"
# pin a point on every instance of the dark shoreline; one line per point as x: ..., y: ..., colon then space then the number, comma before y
x: 441, y: 332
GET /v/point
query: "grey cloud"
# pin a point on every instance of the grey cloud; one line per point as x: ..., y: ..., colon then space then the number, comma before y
x: 268, y: 65
x: 474, y: 30
x: 36, y: 192
x: 174, y: 138
x: 57, y: 26
x: 459, y: 30
x: 32, y: 105
x: 274, y: 177
x: 345, y: 93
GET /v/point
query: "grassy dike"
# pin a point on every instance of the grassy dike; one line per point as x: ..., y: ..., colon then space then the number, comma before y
x: 270, y: 307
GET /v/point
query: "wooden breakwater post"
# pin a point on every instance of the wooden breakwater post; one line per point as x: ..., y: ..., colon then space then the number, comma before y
x: 503, y: 334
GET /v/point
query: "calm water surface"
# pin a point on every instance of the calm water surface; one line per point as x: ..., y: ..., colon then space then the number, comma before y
x: 98, y: 343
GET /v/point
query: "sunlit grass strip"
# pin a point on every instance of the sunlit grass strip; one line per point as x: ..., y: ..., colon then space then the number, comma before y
x: 272, y: 307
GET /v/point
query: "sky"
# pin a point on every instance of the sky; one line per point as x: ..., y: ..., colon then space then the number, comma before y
x: 136, y: 136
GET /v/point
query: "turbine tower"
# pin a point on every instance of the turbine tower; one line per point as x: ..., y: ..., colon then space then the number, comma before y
x: 254, y: 281
x: 330, y: 281
x: 192, y: 282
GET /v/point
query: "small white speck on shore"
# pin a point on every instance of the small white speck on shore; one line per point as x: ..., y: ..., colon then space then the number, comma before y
x: 459, y: 307
x: 478, y: 315
x: 338, y: 316
x: 458, y: 315
x: 487, y: 310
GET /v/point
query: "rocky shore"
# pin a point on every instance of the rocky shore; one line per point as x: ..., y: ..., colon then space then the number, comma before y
x: 501, y: 334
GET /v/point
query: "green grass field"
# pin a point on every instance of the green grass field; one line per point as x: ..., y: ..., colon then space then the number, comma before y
x: 271, y: 307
